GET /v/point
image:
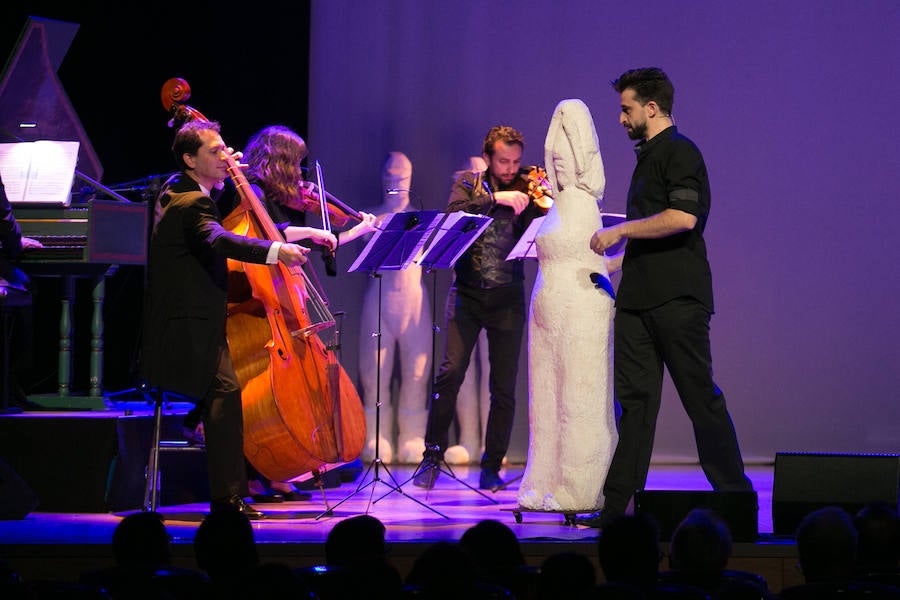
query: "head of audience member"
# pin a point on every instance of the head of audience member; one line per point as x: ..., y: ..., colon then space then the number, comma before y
x: 878, y: 542
x: 141, y: 540
x: 826, y: 545
x: 8, y: 576
x: 355, y: 542
x: 492, y: 545
x: 273, y: 580
x: 224, y: 545
x: 628, y: 550
x: 273, y: 156
x: 358, y: 544
x: 443, y: 570
x: 701, y: 546
x: 565, y: 575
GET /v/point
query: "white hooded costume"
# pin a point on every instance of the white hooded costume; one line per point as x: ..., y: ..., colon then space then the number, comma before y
x: 571, y: 415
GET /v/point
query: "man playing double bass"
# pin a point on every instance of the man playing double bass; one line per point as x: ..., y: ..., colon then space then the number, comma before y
x: 184, y: 346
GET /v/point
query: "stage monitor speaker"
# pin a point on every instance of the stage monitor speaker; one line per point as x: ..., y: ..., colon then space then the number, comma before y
x: 805, y: 482
x: 739, y: 510
x: 16, y: 498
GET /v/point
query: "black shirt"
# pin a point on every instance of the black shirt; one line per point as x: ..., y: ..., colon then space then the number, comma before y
x: 670, y: 173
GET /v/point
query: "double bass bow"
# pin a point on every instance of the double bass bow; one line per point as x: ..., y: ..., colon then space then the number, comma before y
x: 301, y: 410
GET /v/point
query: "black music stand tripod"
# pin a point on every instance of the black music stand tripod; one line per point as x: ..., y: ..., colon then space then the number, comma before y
x: 457, y: 232
x: 392, y: 248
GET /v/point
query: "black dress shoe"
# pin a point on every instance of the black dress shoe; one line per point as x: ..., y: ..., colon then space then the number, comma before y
x: 236, y: 503
x: 597, y: 520
x: 594, y: 520
x: 489, y: 480
x: 267, y: 498
x: 297, y: 496
x: 429, y: 469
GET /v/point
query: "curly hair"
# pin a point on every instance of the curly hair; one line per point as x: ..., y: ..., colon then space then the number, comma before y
x: 649, y: 83
x: 502, y: 133
x: 273, y: 155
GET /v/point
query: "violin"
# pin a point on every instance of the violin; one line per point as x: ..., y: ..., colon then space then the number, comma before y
x: 309, y: 201
x: 539, y: 189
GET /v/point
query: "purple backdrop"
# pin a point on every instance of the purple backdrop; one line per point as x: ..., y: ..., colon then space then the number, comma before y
x: 786, y: 100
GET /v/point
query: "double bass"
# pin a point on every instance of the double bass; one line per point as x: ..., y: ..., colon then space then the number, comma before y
x: 301, y: 410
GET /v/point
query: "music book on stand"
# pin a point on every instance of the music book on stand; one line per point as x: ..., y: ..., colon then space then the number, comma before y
x: 455, y: 234
x: 396, y: 243
x: 39, y: 172
x: 525, y: 247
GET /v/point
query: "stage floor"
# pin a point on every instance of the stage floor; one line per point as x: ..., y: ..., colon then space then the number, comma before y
x: 52, y: 544
x: 83, y: 464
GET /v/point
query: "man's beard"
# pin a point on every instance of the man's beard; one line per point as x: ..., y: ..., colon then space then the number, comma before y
x: 502, y: 185
x: 637, y: 132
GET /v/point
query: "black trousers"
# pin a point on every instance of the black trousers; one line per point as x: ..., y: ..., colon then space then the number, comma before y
x: 223, y: 422
x: 501, y: 312
x: 674, y: 335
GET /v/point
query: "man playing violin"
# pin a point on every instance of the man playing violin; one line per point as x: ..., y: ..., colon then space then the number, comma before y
x: 184, y: 346
x: 487, y: 293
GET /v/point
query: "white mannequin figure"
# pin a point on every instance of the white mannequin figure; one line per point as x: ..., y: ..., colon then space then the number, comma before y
x: 571, y: 415
x: 472, y: 404
x: 405, y: 326
x: 474, y: 399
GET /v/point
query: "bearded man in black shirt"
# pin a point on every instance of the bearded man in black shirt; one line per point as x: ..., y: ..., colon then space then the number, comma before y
x: 665, y: 298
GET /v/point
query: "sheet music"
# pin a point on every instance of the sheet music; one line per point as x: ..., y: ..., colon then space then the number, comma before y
x: 397, y: 242
x: 39, y: 172
x: 453, y: 237
x: 525, y: 247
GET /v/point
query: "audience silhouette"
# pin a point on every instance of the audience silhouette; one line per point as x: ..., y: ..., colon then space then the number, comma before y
x: 143, y: 563
x: 628, y: 550
x: 878, y: 543
x: 497, y: 556
x: 565, y: 575
x: 840, y: 557
x: 827, y: 543
x: 698, y: 556
x: 356, y: 563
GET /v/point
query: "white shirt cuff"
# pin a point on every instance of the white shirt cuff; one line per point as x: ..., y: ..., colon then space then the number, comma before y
x: 272, y: 256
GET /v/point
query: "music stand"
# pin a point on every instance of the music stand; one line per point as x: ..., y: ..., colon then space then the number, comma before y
x: 457, y: 232
x: 392, y: 248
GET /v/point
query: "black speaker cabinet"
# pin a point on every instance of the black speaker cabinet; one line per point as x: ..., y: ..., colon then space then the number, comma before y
x: 739, y: 510
x: 805, y: 482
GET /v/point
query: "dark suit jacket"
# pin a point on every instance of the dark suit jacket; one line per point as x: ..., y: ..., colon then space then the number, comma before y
x: 187, y: 284
x: 10, y: 245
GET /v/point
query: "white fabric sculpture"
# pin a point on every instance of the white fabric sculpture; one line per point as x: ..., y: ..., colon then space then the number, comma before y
x: 405, y: 334
x: 571, y: 415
